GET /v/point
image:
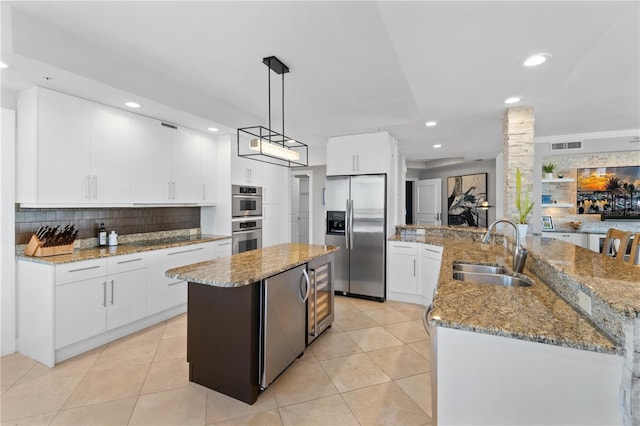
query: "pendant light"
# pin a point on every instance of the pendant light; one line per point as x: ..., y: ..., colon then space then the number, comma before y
x: 264, y: 144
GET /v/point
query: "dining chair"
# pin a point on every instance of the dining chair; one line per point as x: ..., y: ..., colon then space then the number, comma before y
x: 615, y: 243
x: 634, y: 257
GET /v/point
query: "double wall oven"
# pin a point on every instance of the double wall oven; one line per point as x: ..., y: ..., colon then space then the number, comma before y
x: 246, y: 227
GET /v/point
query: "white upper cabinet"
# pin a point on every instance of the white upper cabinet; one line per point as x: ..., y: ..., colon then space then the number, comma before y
x: 62, y: 150
x: 359, y: 154
x: 150, y: 161
x: 186, y: 166
x: 209, y: 172
x: 73, y: 152
x: 110, y: 157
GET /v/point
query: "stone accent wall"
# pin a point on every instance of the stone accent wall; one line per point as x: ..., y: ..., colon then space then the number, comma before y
x: 568, y: 163
x: 518, y: 154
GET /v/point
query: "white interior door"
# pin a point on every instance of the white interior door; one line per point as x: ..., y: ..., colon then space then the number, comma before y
x: 428, y: 202
x: 294, y: 187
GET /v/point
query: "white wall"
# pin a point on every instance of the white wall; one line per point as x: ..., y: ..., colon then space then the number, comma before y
x: 7, y: 233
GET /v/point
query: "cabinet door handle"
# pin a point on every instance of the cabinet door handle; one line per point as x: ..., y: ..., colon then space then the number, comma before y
x: 95, y: 187
x: 224, y: 244
x: 87, y: 183
x: 129, y: 261
x: 414, y: 267
x: 185, y: 251
x: 176, y: 283
x: 104, y: 295
x: 431, y: 250
x: 84, y: 269
x: 396, y: 246
x: 112, y: 292
x: 169, y: 191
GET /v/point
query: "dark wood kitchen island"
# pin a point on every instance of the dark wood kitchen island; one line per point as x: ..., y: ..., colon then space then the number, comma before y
x: 224, y: 314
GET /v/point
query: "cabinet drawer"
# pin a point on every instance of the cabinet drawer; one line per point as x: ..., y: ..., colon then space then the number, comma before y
x: 159, y: 261
x: 403, y: 248
x: 79, y: 271
x: 433, y: 252
x: 164, y: 294
x: 127, y: 262
x: 223, y: 248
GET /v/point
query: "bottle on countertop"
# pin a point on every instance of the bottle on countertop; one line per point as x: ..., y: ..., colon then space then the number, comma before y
x: 113, y: 238
x: 102, y: 235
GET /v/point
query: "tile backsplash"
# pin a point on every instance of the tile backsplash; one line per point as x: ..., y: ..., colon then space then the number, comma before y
x: 122, y: 220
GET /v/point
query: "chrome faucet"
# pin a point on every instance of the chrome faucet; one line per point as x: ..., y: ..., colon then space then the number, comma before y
x: 519, y: 253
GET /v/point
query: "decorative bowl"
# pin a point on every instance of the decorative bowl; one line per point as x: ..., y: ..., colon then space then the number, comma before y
x: 575, y: 225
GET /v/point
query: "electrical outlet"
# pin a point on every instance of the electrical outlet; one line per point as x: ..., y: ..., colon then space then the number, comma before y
x: 584, y: 301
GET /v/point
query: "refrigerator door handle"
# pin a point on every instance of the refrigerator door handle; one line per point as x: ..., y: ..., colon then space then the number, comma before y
x: 347, y: 232
x: 351, y: 226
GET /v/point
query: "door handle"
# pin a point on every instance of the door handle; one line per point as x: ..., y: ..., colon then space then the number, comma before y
x: 306, y: 278
x: 104, y: 295
x: 346, y: 224
x: 95, y: 187
x: 351, y: 237
x: 315, y: 303
x: 414, y: 267
x: 112, y: 292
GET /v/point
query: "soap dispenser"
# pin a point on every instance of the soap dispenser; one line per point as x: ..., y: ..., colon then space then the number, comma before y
x: 113, y: 238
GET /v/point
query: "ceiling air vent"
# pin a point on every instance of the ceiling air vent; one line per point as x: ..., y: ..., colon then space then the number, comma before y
x: 563, y: 146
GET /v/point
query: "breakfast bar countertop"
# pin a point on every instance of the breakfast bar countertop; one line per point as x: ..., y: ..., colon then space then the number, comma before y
x: 536, y: 313
x: 251, y: 266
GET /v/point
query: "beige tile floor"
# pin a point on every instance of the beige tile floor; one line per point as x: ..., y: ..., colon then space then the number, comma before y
x: 371, y: 367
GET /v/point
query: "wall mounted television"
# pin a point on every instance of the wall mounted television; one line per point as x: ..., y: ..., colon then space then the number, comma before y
x: 613, y: 192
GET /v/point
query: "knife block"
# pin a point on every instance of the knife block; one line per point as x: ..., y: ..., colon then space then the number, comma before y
x: 35, y: 249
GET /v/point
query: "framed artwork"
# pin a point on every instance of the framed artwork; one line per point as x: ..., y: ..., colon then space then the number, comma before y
x: 612, y: 192
x: 465, y: 193
x: 547, y: 223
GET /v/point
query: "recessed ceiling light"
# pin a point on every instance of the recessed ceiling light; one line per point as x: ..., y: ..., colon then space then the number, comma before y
x: 3, y: 65
x: 430, y: 123
x: 133, y: 105
x: 512, y: 100
x: 212, y: 129
x: 537, y: 59
x: 438, y: 145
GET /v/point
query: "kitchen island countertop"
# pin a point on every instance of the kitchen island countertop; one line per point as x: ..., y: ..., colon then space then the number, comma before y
x: 251, y: 266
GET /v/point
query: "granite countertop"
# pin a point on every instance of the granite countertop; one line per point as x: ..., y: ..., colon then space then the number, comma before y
x: 535, y: 313
x: 251, y: 266
x: 89, y: 253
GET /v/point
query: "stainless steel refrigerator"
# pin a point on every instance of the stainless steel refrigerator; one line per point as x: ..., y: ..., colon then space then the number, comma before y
x: 356, y: 222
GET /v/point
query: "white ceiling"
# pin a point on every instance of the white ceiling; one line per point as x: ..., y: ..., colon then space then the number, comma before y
x: 355, y: 66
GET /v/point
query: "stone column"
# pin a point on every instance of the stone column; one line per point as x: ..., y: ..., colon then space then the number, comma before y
x: 517, y: 153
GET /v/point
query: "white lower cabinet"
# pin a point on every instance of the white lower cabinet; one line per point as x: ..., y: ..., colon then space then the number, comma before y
x: 126, y: 298
x: 80, y: 311
x: 429, y: 271
x: 576, y: 238
x: 403, y: 268
x: 162, y: 292
x: 67, y: 309
x: 413, y: 271
x: 482, y: 379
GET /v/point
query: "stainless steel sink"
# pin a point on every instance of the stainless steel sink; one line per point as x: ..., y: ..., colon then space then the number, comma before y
x: 474, y: 267
x: 489, y: 278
